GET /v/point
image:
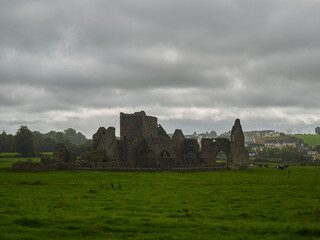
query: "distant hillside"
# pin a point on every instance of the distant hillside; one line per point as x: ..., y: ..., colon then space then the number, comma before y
x: 311, y: 140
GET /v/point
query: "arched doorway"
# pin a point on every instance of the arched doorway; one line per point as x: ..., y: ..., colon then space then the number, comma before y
x: 221, y: 158
x: 164, y: 154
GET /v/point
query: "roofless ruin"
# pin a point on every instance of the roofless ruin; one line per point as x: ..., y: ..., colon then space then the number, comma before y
x: 144, y: 145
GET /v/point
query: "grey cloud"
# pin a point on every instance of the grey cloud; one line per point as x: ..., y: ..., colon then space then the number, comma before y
x: 69, y: 55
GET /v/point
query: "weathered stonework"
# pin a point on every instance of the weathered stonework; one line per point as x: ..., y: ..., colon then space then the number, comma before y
x: 144, y: 144
x: 105, y: 146
x: 62, y: 154
x: 240, y: 156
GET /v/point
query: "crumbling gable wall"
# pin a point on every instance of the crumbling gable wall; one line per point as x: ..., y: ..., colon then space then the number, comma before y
x: 178, y: 140
x: 240, y: 156
x: 105, y: 145
x: 62, y: 154
x: 162, y: 133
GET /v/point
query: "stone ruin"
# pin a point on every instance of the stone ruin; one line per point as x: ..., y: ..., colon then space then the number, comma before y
x: 63, y: 159
x: 144, y: 144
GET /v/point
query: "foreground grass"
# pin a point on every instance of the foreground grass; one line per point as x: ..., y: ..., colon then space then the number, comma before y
x: 255, y: 204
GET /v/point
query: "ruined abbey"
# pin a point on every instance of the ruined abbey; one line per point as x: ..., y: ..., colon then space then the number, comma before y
x: 145, y: 146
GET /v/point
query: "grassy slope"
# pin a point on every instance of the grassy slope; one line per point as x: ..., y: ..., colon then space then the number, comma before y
x: 312, y: 140
x: 255, y: 204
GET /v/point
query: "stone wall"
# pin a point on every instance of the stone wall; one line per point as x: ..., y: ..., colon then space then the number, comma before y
x: 62, y: 154
x: 191, y: 153
x: 150, y: 127
x: 163, y: 152
x: 208, y: 151
x: 46, y: 164
x: 27, y: 166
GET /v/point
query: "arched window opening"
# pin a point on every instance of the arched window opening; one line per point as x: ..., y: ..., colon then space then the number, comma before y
x: 164, y: 153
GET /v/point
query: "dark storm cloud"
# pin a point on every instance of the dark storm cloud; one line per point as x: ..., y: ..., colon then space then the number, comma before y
x: 70, y: 62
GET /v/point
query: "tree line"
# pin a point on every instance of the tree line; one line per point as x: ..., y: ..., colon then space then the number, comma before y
x: 288, y: 155
x: 30, y: 143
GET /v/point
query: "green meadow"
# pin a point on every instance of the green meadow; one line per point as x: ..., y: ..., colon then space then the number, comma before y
x: 9, y: 155
x: 262, y: 203
x: 7, y: 159
x: 311, y: 140
x: 6, y: 163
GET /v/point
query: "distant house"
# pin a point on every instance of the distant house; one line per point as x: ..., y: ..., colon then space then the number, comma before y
x: 314, y: 155
x: 256, y: 146
x: 279, y: 144
x: 303, y: 146
x: 200, y: 136
x: 272, y: 134
x: 225, y: 135
x: 251, y: 136
x: 251, y: 152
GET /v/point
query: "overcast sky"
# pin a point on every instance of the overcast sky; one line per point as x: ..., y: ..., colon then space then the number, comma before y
x: 196, y: 65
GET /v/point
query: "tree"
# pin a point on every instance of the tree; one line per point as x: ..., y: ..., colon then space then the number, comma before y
x: 51, y: 134
x: 317, y: 130
x: 60, y: 137
x: 74, y: 137
x: 24, y: 142
x: 43, y: 142
x: 6, y: 142
x: 316, y: 148
x: 292, y: 155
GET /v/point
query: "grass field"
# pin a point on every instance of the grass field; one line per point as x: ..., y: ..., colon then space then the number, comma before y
x: 262, y: 203
x: 312, y: 140
x: 7, y: 159
x: 5, y: 154
x: 7, y: 162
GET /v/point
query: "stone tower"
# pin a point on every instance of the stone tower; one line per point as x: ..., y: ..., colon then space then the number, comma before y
x: 137, y: 125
